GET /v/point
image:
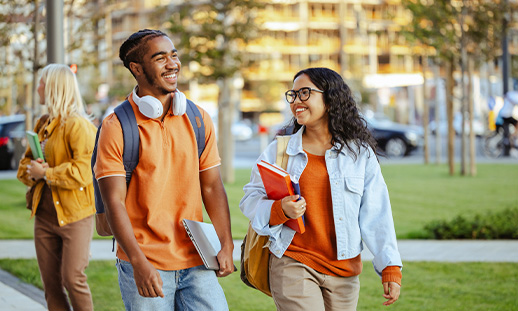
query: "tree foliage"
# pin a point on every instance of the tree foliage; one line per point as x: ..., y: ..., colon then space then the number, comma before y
x: 210, y: 33
x: 437, y: 24
x: 457, y: 30
x: 17, y: 36
x: 17, y: 32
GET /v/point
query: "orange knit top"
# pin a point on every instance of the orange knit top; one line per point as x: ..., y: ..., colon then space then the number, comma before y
x: 316, y: 248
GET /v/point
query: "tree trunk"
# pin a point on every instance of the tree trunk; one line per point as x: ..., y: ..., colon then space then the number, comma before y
x: 225, y: 139
x: 463, y: 103
x: 33, y: 103
x: 449, y: 112
x: 425, y: 112
x: 472, y: 164
x: 490, y: 73
x: 438, y: 90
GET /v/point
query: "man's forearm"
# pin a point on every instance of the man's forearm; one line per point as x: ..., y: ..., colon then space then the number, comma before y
x: 123, y: 232
x: 216, y: 203
x: 113, y: 191
x: 218, y: 211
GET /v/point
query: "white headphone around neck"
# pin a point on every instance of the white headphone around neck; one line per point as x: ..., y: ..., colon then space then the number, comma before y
x: 152, y: 108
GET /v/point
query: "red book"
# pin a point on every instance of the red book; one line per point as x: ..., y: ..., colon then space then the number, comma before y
x: 278, y: 185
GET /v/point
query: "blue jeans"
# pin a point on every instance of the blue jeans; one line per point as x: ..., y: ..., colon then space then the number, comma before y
x: 190, y: 289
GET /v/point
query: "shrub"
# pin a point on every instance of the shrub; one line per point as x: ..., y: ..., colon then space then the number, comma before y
x: 498, y: 225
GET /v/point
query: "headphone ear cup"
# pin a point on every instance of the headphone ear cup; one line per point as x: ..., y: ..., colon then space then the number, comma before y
x: 179, y: 103
x: 150, y: 106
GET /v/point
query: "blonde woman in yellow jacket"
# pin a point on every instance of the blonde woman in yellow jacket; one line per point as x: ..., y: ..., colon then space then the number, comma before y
x: 62, y: 192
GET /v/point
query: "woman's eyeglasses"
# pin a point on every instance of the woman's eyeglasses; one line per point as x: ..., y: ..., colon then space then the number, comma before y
x: 303, y: 94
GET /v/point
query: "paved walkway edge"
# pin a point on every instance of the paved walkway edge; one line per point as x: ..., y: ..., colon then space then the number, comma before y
x: 411, y: 250
x: 26, y: 294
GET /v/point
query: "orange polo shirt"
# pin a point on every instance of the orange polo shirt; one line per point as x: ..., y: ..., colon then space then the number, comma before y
x: 165, y: 186
x: 316, y: 248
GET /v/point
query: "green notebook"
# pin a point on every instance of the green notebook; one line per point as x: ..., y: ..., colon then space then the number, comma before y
x: 34, y: 143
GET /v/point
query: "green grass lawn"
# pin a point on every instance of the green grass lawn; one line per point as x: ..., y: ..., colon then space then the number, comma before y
x: 419, y: 194
x: 426, y: 287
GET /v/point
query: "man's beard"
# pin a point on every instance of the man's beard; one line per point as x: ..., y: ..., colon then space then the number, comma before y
x: 153, y: 82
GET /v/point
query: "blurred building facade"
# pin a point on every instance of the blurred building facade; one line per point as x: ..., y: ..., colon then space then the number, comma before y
x: 360, y: 39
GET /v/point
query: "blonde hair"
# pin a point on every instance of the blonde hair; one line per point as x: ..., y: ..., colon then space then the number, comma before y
x: 62, y: 96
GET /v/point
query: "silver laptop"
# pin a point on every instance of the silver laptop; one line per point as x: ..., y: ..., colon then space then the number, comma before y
x: 206, y: 241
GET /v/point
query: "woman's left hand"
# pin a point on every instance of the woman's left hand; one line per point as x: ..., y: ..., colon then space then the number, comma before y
x: 292, y: 208
x: 36, y: 170
x: 391, y: 292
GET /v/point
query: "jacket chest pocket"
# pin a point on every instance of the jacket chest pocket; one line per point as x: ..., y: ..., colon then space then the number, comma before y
x: 353, y: 192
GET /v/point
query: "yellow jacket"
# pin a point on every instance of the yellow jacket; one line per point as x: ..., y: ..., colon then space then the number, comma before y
x: 68, y: 152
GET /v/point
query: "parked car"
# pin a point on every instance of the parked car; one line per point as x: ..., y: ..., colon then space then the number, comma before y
x: 241, y: 131
x: 478, y: 126
x: 394, y: 139
x: 12, y: 141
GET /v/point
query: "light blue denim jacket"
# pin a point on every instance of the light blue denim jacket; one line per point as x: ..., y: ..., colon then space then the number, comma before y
x: 361, y: 205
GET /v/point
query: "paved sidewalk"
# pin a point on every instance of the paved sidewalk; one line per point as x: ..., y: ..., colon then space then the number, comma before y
x: 15, y: 295
x: 411, y: 250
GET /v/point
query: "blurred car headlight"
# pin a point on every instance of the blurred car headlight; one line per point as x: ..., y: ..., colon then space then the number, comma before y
x: 412, y: 137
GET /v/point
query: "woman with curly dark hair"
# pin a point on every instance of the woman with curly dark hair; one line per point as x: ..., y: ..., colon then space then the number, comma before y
x: 344, y: 201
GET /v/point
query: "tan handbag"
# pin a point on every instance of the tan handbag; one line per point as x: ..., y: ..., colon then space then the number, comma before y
x: 28, y: 197
x: 102, y: 226
x: 255, y: 254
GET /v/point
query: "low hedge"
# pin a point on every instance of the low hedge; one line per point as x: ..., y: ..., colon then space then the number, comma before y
x: 492, y: 225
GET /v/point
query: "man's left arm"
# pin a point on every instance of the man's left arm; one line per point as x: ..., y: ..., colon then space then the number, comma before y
x: 216, y: 203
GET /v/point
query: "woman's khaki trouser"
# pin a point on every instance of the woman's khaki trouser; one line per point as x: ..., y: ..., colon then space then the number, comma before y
x: 62, y: 254
x: 295, y: 286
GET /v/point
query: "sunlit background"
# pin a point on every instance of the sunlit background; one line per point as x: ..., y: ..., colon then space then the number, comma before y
x: 239, y: 57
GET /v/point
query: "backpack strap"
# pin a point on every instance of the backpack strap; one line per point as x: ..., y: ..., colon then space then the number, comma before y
x: 288, y: 130
x: 131, y: 136
x: 198, y: 125
x: 282, y: 157
x: 99, y: 206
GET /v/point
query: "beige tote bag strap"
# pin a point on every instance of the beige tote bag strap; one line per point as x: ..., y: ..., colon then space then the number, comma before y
x: 282, y: 156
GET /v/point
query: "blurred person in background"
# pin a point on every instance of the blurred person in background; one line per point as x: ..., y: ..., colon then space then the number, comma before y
x: 61, y: 194
x: 344, y: 200
x: 506, y: 113
x: 111, y: 107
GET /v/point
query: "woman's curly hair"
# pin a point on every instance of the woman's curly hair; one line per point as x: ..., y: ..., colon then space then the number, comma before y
x: 347, y: 127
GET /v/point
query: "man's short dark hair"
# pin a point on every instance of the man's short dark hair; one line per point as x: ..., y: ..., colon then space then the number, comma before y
x: 131, y: 51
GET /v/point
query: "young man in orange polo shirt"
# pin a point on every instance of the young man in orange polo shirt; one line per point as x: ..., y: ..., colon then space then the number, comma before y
x: 155, y: 257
